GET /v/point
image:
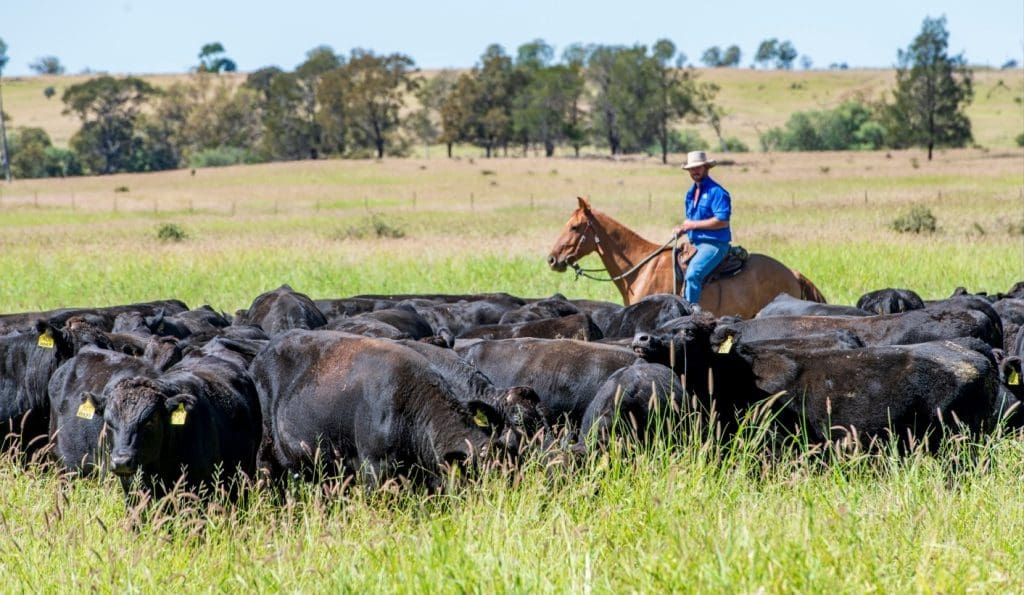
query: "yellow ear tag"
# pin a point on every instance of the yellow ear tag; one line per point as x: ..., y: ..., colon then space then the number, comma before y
x: 726, y: 345
x: 86, y: 410
x: 178, y: 415
x: 45, y: 340
x: 480, y: 419
x: 1013, y: 379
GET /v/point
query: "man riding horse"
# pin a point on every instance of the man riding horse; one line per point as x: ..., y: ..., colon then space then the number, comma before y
x: 707, y: 210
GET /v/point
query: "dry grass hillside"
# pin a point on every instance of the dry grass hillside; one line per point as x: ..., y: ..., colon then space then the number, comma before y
x: 754, y: 100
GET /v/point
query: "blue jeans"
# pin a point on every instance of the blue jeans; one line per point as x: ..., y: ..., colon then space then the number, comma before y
x: 709, y: 255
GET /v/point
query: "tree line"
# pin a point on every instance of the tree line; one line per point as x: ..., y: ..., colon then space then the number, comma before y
x: 622, y: 99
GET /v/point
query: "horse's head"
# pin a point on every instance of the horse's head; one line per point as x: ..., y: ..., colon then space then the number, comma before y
x: 576, y: 240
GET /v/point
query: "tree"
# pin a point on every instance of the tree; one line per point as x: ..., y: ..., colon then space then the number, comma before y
x: 545, y: 108
x: 426, y: 122
x: 47, y: 65
x: 319, y: 61
x: 732, y: 56
x: 212, y: 59
x: 457, y: 111
x: 785, y: 54
x: 675, y: 93
x: 767, y: 51
x: 379, y: 85
x: 806, y: 62
x: 622, y: 85
x: 5, y: 157
x: 206, y: 114
x: 109, y: 109
x: 712, y: 57
x: 932, y: 91
x: 535, y: 55
x: 575, y: 57
x: 332, y: 114
x: 34, y: 156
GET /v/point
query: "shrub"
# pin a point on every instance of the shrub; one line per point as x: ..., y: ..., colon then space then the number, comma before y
x: 221, y: 156
x: 170, y: 232
x: 852, y: 125
x: 681, y: 141
x: 731, y: 144
x: 918, y: 220
x: 376, y: 227
x: 1020, y: 139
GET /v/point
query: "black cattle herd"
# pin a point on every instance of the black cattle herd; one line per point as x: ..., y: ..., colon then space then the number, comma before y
x: 414, y: 386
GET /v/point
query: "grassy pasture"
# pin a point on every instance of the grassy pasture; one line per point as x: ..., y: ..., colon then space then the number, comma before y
x: 690, y: 519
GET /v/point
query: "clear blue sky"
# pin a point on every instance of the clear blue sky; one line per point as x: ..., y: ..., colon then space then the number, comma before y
x: 164, y: 36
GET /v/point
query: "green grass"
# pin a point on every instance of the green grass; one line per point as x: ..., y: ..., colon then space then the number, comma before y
x: 690, y: 518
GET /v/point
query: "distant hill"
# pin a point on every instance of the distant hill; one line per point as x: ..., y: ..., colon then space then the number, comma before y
x: 754, y: 100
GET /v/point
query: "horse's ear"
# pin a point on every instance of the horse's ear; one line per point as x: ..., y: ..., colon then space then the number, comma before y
x: 584, y: 203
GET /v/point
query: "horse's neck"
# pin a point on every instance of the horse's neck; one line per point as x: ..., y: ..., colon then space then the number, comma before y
x: 620, y: 247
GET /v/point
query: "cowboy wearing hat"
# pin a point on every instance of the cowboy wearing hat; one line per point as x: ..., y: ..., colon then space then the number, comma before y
x: 708, y: 207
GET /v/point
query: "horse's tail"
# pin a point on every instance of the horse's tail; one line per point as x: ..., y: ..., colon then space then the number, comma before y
x: 807, y: 289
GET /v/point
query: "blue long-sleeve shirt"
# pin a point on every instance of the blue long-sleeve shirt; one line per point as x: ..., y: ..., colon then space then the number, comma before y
x: 715, y: 202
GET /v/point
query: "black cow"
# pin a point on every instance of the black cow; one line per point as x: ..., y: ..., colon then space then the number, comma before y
x: 685, y: 344
x: 641, y: 401
x: 103, y: 317
x: 601, y: 312
x: 280, y: 310
x: 863, y: 394
x: 519, y: 403
x: 541, y: 309
x: 180, y: 325
x: 400, y: 322
x: 459, y: 317
x: 787, y: 305
x: 371, y: 407
x: 646, y: 315
x: 890, y: 301
x: 565, y: 373
x: 1011, y: 314
x: 573, y: 326
x: 27, y: 361
x: 939, y: 321
x: 75, y: 427
x: 198, y: 422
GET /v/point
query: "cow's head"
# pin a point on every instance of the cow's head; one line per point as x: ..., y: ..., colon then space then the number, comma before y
x: 162, y: 352
x: 59, y: 341
x: 681, y: 338
x: 139, y: 412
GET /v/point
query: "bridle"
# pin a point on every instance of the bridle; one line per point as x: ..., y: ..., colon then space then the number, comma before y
x: 582, y: 272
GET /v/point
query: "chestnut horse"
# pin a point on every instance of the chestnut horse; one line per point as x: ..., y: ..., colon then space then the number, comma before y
x: 640, y: 268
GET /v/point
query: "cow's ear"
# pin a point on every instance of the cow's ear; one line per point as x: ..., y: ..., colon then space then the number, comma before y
x: 583, y: 202
x: 187, y: 401
x: 51, y: 337
x: 90, y: 405
x: 1010, y: 372
x: 522, y: 393
x: 484, y: 416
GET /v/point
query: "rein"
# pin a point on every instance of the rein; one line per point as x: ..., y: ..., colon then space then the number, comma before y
x: 582, y: 272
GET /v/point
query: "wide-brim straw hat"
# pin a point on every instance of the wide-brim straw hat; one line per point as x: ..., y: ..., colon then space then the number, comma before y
x: 697, y: 159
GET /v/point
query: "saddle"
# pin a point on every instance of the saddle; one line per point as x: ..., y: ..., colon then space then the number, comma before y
x: 731, y: 265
